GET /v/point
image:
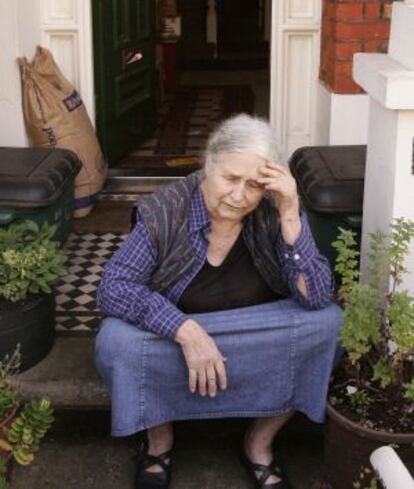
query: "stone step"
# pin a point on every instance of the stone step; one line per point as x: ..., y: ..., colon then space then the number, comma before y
x: 125, y: 181
x: 206, y: 450
x: 67, y: 376
x: 79, y: 453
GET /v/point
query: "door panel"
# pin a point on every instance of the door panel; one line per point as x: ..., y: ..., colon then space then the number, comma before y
x: 131, y: 90
x: 124, y: 48
x: 121, y: 27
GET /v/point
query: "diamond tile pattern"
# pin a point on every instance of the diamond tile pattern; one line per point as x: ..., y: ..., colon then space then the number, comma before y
x: 76, y: 310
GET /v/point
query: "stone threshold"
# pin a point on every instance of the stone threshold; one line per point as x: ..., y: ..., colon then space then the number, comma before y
x: 67, y: 376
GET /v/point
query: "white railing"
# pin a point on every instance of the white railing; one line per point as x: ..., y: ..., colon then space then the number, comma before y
x: 390, y: 470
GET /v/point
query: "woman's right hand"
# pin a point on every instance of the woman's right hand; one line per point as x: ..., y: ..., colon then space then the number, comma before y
x: 206, y: 369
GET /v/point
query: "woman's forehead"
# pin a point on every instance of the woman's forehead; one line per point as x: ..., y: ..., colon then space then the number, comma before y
x: 242, y: 164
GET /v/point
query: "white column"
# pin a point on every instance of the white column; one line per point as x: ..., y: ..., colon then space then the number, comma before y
x: 389, y: 180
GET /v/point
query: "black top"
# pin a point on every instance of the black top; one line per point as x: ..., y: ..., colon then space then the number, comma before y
x: 235, y: 283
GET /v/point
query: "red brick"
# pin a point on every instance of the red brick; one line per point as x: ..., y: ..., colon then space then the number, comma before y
x: 372, y: 11
x: 376, y: 46
x: 345, y: 50
x: 327, y: 27
x: 387, y: 11
x: 361, y: 31
x: 343, y: 68
x: 349, y: 11
x: 329, y: 65
x: 345, y: 85
x: 328, y: 11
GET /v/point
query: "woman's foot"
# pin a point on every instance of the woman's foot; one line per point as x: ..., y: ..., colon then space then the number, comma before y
x: 266, y: 476
x: 153, y: 470
x: 259, y: 462
x: 258, y: 455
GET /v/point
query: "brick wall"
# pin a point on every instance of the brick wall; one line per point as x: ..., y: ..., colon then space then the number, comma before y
x: 350, y: 26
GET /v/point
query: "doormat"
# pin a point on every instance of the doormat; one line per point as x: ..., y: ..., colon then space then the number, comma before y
x: 185, y: 122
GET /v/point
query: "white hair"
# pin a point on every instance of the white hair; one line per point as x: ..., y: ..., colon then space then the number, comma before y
x: 242, y: 133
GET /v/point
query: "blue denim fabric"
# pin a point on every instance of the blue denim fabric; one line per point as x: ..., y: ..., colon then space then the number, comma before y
x: 279, y: 358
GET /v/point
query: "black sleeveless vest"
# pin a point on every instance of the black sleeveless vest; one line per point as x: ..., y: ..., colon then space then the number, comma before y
x: 164, y: 213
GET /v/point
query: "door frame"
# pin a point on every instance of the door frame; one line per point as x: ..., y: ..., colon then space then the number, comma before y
x: 66, y: 28
x: 294, y: 72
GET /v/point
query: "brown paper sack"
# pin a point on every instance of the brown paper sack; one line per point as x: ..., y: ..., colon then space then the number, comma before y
x: 56, y: 117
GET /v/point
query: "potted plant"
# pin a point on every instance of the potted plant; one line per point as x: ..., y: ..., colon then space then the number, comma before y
x: 30, y: 263
x: 371, y: 398
x: 21, y: 426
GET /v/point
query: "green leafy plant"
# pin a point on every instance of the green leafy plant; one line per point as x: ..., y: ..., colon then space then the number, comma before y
x: 9, y: 367
x: 27, y: 424
x: 30, y: 261
x: 378, y: 331
x: 366, y: 476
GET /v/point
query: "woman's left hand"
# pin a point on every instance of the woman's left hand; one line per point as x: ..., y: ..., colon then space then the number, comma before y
x: 278, y: 180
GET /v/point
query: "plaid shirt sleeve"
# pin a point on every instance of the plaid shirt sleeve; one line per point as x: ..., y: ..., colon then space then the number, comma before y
x: 124, y: 293
x: 303, y: 257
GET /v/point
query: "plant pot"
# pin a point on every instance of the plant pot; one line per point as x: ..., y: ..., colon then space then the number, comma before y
x: 30, y: 323
x: 5, y: 424
x: 349, y: 445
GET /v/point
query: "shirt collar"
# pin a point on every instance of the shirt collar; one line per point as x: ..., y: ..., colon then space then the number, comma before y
x: 198, y: 218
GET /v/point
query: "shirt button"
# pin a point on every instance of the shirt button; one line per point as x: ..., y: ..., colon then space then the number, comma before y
x: 286, y: 255
x: 296, y: 257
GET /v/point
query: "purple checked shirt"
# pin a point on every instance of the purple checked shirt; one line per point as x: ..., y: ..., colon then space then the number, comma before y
x: 123, y: 291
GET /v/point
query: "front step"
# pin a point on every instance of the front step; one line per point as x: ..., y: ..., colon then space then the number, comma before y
x: 125, y: 181
x: 67, y: 376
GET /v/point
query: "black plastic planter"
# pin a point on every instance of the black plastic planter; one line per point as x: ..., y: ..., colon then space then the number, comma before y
x: 30, y: 323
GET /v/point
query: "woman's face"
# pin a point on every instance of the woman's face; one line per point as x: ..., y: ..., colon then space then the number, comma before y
x: 231, y: 190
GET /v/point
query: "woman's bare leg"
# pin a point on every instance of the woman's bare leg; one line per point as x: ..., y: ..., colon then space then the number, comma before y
x: 259, y: 438
x: 161, y: 440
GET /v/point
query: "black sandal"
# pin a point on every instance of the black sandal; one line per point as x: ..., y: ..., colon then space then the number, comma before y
x: 151, y: 480
x: 265, y: 472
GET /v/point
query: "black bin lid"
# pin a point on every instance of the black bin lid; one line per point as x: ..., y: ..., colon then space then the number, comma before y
x: 330, y: 179
x: 35, y: 177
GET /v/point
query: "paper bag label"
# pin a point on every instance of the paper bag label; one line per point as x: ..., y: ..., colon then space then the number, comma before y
x: 73, y: 101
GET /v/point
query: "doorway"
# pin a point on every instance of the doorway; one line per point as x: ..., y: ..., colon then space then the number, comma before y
x: 150, y: 126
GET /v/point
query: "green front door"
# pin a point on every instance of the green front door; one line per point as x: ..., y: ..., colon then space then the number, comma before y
x: 124, y: 58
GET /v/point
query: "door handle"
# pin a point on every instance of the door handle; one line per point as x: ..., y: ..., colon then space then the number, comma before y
x: 131, y: 56
x: 135, y: 58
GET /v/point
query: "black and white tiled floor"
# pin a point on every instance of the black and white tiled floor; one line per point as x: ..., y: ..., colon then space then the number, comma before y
x: 76, y: 310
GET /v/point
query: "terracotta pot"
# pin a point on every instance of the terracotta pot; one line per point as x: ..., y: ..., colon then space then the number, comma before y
x: 6, y: 423
x: 349, y: 445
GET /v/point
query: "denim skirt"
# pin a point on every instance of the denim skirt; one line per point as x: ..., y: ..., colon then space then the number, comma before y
x: 279, y: 359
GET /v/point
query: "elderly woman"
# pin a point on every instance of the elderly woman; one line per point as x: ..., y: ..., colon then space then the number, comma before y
x: 218, y: 305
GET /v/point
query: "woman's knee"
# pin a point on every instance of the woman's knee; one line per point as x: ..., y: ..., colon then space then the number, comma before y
x: 322, y: 325
x: 114, y: 338
x: 330, y: 317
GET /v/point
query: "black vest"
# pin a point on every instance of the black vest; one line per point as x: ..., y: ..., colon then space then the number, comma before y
x: 164, y: 214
